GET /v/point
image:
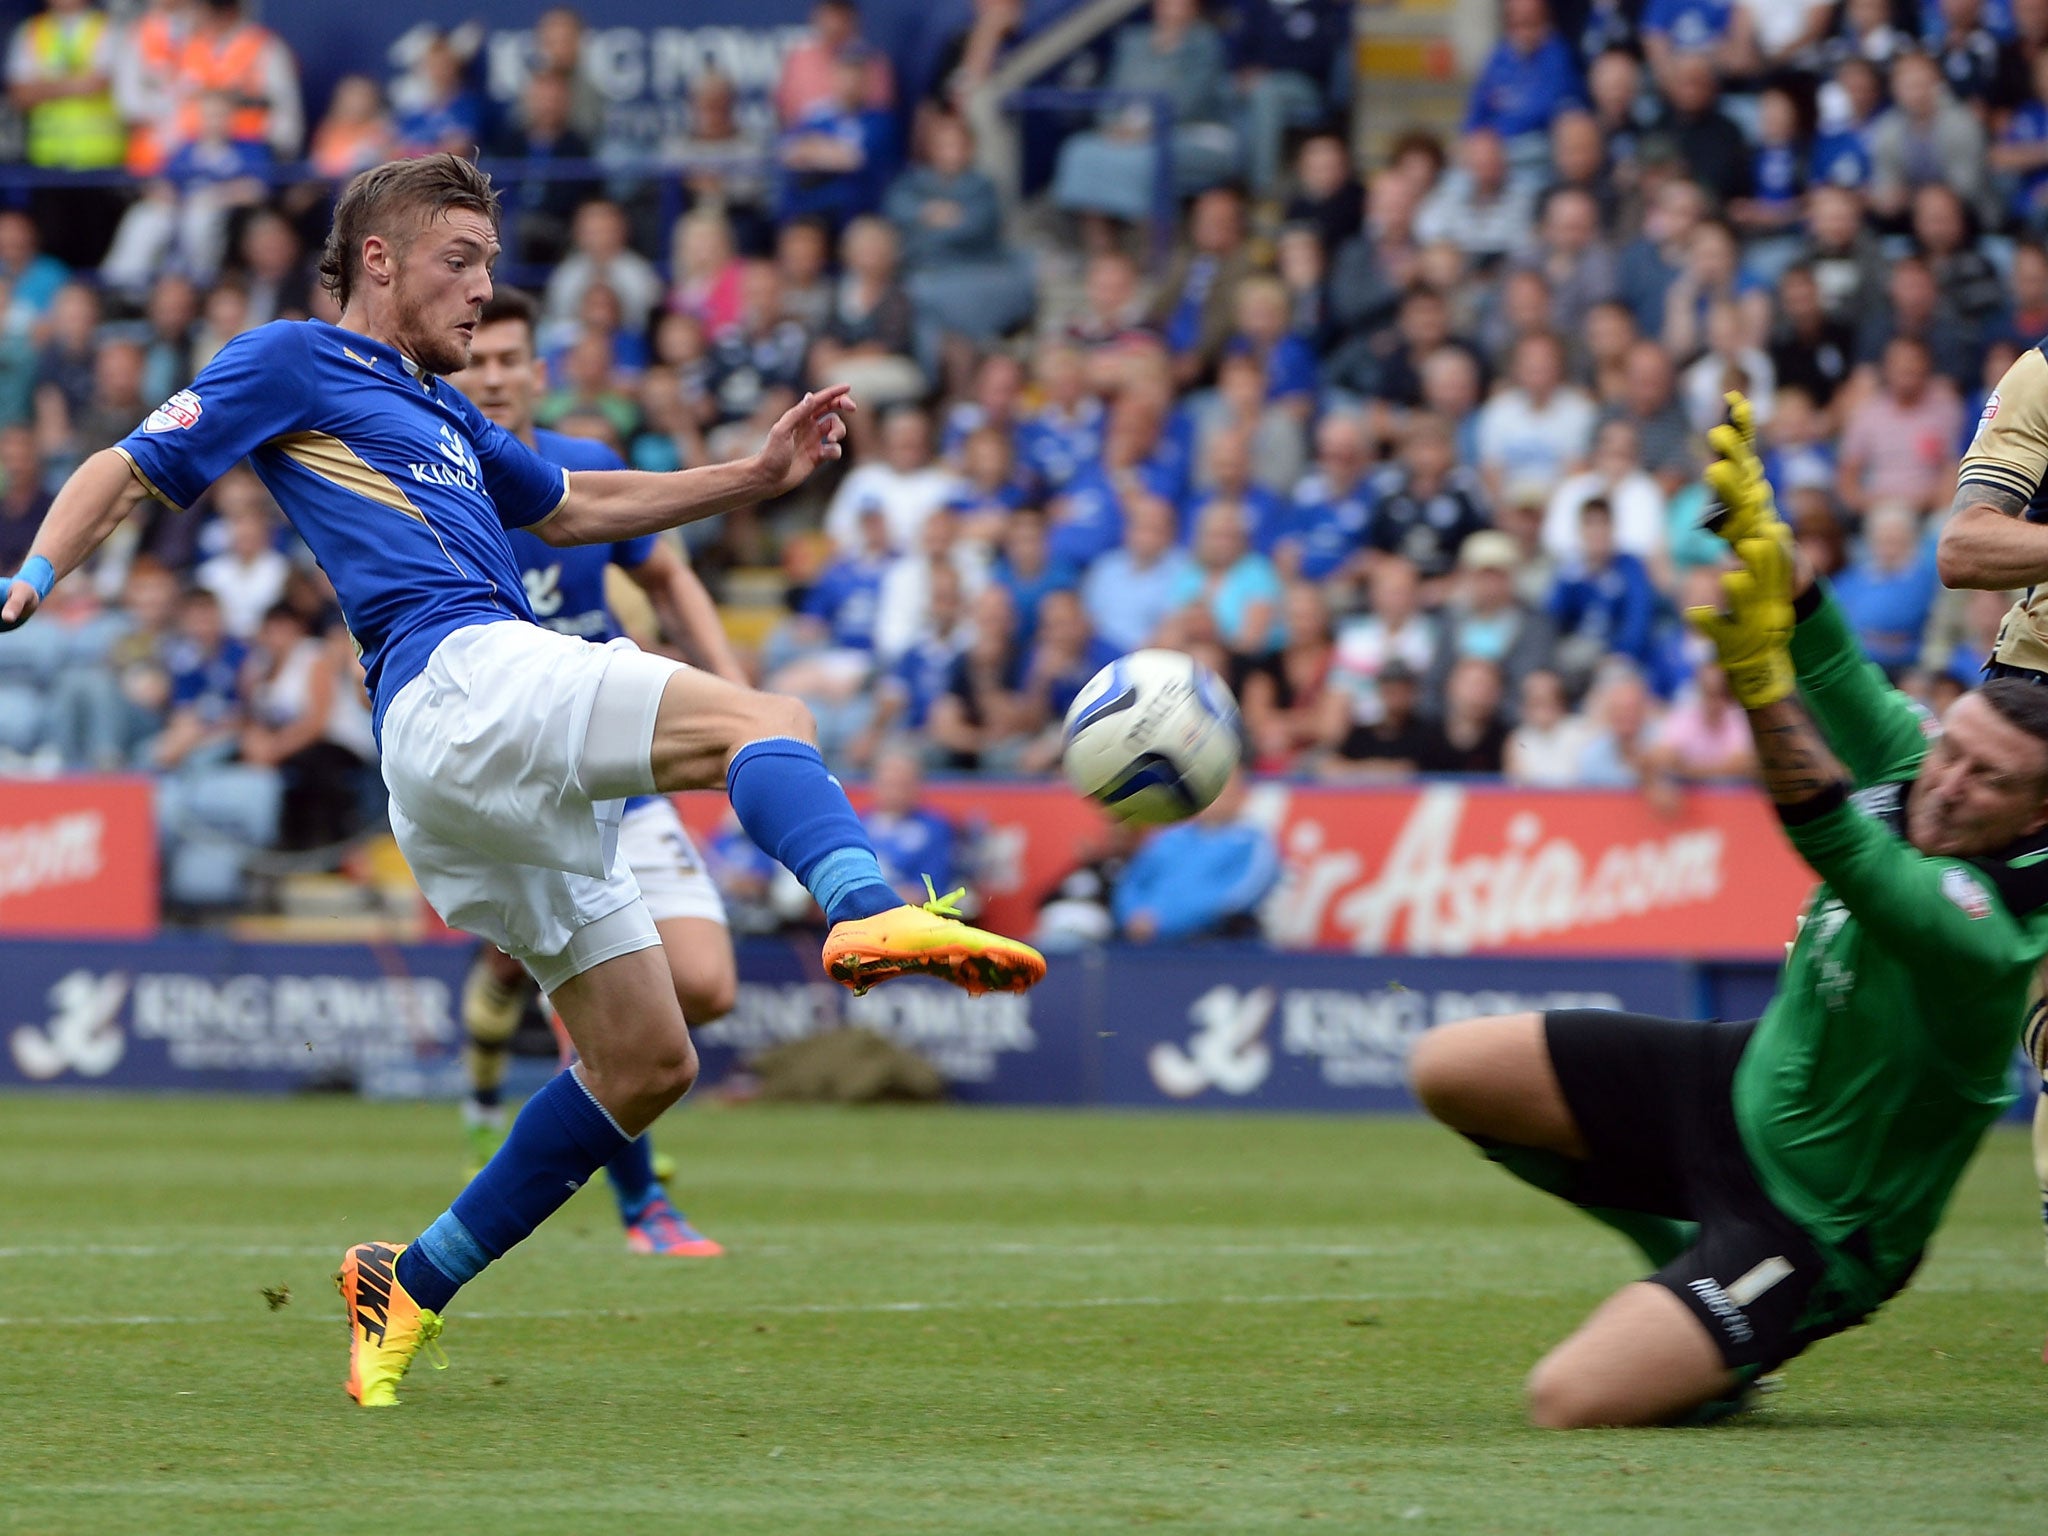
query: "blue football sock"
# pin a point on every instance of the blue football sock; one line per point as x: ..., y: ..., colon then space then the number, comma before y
x: 560, y: 1139
x: 632, y: 1176
x: 795, y: 811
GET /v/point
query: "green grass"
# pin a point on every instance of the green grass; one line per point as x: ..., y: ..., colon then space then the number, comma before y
x: 936, y: 1321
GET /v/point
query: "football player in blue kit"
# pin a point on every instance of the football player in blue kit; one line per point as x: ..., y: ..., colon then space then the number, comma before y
x: 508, y: 749
x: 566, y: 588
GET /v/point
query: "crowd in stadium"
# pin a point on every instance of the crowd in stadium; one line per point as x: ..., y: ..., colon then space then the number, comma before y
x: 1412, y: 464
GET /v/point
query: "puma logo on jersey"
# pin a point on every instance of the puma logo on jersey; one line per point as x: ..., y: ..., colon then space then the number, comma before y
x: 356, y: 357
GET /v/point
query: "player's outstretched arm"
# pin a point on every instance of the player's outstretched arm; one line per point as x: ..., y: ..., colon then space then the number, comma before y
x: 607, y: 505
x: 1987, y: 544
x: 101, y: 492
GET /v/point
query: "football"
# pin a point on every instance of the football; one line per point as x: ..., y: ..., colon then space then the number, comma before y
x: 1153, y: 737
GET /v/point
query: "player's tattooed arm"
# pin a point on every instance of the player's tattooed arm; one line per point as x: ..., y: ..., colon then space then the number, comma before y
x: 1987, y: 544
x: 1797, y: 766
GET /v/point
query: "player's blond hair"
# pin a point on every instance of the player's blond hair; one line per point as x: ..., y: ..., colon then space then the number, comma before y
x: 396, y: 201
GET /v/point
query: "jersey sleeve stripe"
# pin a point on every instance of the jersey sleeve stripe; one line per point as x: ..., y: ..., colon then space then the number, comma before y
x: 540, y: 522
x: 143, y: 479
x: 2003, y: 476
x: 335, y: 462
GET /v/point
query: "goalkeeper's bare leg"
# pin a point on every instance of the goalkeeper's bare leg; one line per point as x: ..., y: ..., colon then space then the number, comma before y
x: 1642, y: 1357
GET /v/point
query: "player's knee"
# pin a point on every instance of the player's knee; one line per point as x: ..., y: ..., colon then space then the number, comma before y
x: 1439, y: 1066
x: 1557, y: 1399
x: 670, y: 1071
x: 777, y: 714
x: 707, y: 995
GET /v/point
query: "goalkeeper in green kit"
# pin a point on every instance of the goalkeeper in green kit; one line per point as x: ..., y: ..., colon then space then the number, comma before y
x: 1783, y: 1176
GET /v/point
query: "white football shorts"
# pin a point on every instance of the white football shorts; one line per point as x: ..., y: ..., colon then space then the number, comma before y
x: 508, y: 759
x: 656, y: 847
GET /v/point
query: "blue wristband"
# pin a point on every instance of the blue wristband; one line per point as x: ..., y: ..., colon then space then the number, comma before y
x: 38, y: 573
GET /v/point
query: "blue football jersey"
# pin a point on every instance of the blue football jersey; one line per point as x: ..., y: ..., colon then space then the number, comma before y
x: 565, y: 587
x: 398, y: 485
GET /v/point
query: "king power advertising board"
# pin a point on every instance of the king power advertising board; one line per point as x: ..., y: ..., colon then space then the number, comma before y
x: 1210, y: 1027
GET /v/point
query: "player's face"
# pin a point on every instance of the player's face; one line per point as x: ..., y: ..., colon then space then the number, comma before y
x: 441, y: 287
x: 503, y: 378
x: 1980, y: 787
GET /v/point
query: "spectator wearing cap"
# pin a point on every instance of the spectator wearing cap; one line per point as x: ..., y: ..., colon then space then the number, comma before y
x: 1202, y: 879
x: 1604, y: 602
x: 1484, y: 620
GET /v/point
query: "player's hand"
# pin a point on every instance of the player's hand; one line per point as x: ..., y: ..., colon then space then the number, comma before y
x: 810, y: 433
x: 1743, y: 505
x: 23, y: 593
x: 1752, y: 630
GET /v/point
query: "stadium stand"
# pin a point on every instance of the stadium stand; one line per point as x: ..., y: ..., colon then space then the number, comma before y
x: 1406, y: 451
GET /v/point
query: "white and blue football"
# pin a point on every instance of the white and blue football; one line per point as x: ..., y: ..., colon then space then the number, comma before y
x: 1153, y: 738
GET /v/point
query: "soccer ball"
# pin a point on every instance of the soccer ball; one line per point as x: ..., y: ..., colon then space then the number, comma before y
x: 1154, y: 737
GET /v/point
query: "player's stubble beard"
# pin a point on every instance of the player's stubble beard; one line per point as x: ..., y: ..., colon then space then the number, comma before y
x: 431, y: 346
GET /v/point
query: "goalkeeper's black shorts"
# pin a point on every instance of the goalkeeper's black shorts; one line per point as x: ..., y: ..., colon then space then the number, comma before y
x: 1654, y: 1100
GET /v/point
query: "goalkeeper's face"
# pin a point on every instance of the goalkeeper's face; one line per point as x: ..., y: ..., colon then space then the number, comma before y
x: 1982, y: 786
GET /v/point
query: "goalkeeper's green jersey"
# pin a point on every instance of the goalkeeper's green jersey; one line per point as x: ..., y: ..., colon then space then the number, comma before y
x: 1887, y: 1049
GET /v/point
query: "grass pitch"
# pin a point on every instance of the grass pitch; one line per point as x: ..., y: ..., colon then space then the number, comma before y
x: 936, y: 1321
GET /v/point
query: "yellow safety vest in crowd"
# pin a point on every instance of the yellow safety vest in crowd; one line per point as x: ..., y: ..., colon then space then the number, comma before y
x: 76, y: 133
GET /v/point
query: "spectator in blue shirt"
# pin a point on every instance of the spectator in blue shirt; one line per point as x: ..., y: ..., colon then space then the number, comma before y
x: 1841, y: 150
x: 1528, y: 78
x: 1131, y: 591
x: 1028, y: 567
x: 1236, y: 590
x: 1331, y: 518
x: 2021, y: 153
x: 205, y: 664
x: 1087, y: 517
x: 837, y: 158
x: 1777, y: 169
x: 919, y: 677
x: 1065, y: 434
x: 1229, y: 463
x: 1888, y: 589
x: 1065, y: 654
x: 1202, y: 879
x: 1264, y: 331
x: 1603, y: 603
x: 826, y: 653
x: 912, y: 841
x: 1672, y: 27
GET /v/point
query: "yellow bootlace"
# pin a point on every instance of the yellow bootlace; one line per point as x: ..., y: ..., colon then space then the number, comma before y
x: 947, y: 905
x: 430, y: 1340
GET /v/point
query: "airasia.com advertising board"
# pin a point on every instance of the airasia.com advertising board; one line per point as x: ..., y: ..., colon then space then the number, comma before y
x: 1447, y: 869
x: 77, y: 856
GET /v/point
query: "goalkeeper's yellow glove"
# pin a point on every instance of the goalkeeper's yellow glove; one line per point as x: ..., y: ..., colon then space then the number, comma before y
x: 1745, y: 507
x: 1753, y: 628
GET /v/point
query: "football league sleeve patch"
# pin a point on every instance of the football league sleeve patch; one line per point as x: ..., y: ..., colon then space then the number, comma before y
x: 251, y: 392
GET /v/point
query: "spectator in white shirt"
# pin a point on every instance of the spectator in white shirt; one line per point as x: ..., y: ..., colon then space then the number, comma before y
x: 601, y: 255
x: 1631, y: 492
x: 1544, y: 750
x: 1538, y: 431
x: 249, y: 575
x: 908, y: 486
